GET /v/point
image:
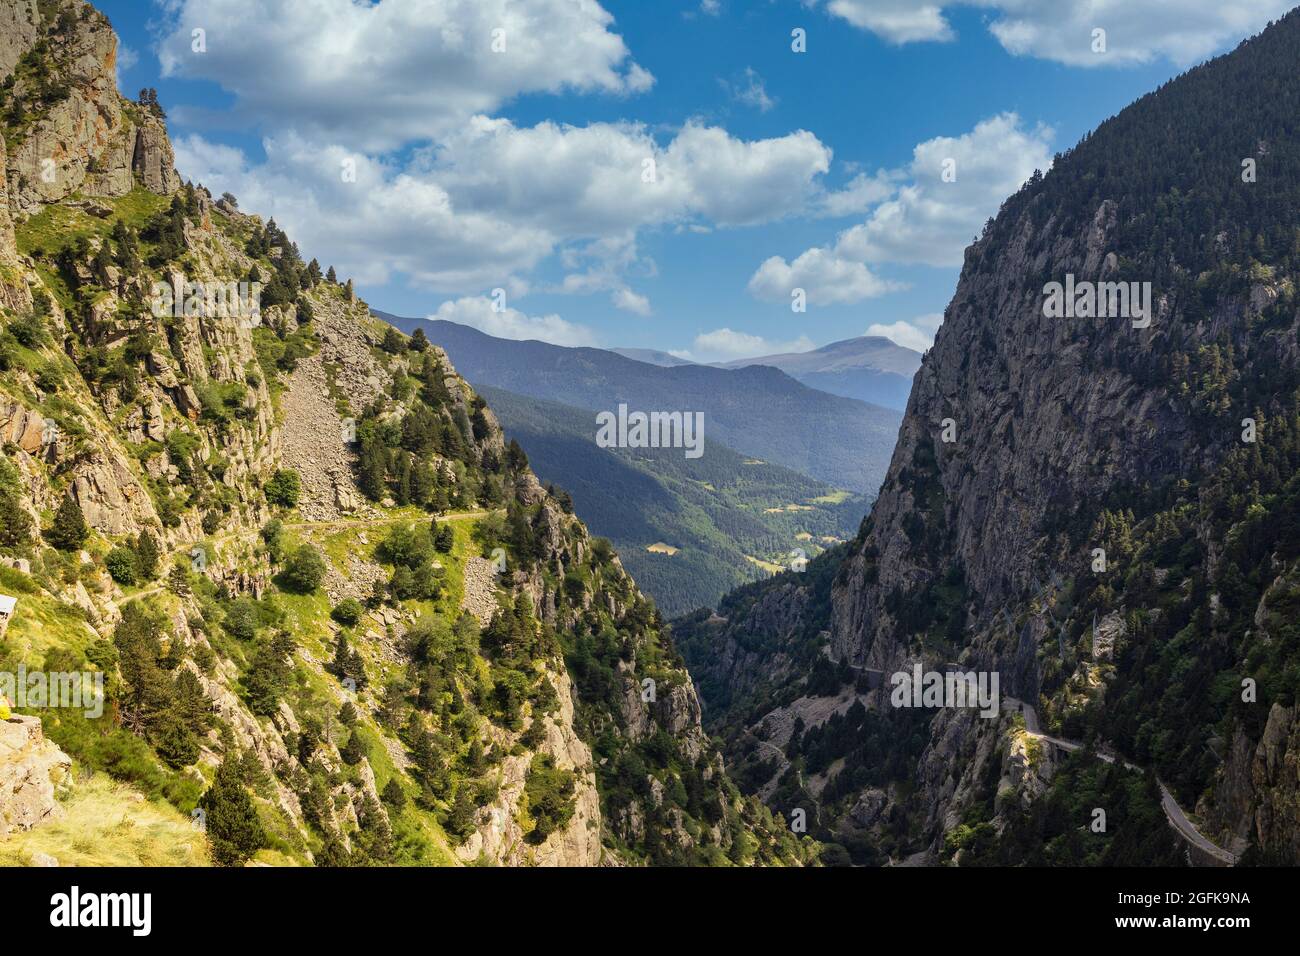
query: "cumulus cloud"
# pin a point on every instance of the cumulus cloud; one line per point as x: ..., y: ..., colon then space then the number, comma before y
x: 723, y: 345
x: 932, y: 220
x: 377, y: 75
x: 917, y: 334
x: 386, y: 221
x: 898, y: 21
x: 1137, y: 31
x: 825, y: 277
x: 492, y: 200
x: 607, y: 178
x: 509, y: 323
x: 929, y: 219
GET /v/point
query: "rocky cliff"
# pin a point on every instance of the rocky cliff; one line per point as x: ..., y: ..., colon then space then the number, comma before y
x: 316, y: 578
x: 1093, y: 507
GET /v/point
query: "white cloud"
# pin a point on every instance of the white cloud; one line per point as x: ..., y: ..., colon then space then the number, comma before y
x: 1137, y: 31
x: 711, y: 7
x: 898, y: 21
x: 630, y: 301
x: 722, y: 345
x: 375, y: 75
x: 827, y: 279
x: 493, y: 200
x: 509, y: 323
x: 387, y: 221
x: 927, y: 221
x: 917, y: 334
x: 749, y: 90
x: 593, y: 180
x: 932, y: 221
x: 861, y: 193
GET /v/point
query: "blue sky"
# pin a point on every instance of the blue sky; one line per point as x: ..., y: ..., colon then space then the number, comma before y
x: 523, y: 168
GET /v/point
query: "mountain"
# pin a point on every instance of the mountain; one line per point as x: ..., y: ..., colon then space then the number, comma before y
x: 305, y: 602
x: 870, y: 368
x: 1102, y: 511
x: 652, y: 357
x: 759, y: 411
x: 688, y: 530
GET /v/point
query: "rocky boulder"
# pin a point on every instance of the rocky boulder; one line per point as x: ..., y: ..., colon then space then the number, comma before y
x: 33, y: 771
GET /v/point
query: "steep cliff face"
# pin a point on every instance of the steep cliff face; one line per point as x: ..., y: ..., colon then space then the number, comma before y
x: 1031, y: 441
x: 1098, y: 507
x: 68, y: 130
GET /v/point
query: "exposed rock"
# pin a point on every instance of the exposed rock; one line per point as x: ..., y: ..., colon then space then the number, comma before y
x: 479, y: 595
x: 33, y: 771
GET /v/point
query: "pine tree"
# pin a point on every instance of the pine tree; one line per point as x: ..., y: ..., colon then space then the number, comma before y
x: 231, y: 822
x: 460, y: 821
x: 146, y: 555
x: 353, y: 750
x: 69, y: 531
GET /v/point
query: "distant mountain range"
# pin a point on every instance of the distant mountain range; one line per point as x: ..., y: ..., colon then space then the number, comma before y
x: 758, y: 410
x: 654, y: 357
x: 870, y: 368
x: 699, y: 527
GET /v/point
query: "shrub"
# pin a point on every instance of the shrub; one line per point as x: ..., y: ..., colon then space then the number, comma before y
x: 123, y: 566
x: 242, y: 619
x: 347, y: 612
x: 28, y: 330
x: 304, y: 570
x: 284, y: 489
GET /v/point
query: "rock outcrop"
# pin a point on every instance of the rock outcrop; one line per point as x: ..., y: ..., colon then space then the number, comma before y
x: 33, y: 772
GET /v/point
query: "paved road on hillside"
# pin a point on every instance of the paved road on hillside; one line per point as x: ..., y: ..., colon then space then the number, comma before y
x: 1173, y: 812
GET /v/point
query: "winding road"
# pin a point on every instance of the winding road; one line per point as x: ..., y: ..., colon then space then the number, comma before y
x: 1173, y: 812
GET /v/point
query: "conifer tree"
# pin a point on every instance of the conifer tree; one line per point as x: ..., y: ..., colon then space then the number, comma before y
x: 230, y: 819
x: 69, y: 531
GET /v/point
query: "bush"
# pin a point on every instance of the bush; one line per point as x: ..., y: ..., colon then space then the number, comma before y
x: 304, y: 570
x: 242, y: 619
x: 347, y: 612
x: 28, y: 330
x: 123, y: 566
x: 284, y: 489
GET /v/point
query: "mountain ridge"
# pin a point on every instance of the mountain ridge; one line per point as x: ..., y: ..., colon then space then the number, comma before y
x: 336, y: 618
x: 758, y: 410
x: 1086, y: 508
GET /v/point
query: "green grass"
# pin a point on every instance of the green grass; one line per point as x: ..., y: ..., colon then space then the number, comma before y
x: 105, y: 823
